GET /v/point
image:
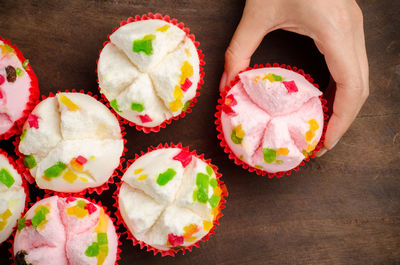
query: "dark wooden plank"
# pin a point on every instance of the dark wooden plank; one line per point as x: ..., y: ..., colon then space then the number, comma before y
x: 343, y: 208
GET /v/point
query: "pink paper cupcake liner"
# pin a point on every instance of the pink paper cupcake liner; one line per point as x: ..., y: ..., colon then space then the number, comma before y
x: 24, y: 185
x: 225, y: 145
x: 28, y: 176
x: 106, y: 210
x: 201, y: 64
x: 171, y: 252
x: 33, y: 97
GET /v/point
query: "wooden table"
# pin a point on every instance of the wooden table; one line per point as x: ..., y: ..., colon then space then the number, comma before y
x: 343, y: 208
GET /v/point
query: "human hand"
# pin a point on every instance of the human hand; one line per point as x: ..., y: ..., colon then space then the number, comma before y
x: 337, y: 30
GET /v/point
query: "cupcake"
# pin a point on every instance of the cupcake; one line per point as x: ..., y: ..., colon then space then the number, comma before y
x: 12, y: 197
x: 149, y: 71
x: 169, y: 199
x: 19, y: 90
x: 272, y: 118
x: 65, y: 231
x: 71, y: 142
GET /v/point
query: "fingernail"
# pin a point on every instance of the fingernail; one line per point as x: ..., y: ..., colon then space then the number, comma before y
x: 321, y: 152
x: 223, y: 82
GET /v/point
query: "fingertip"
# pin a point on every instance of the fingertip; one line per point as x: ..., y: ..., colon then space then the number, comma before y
x: 321, y: 152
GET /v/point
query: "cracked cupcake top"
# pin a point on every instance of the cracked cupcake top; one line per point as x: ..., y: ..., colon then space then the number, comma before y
x: 66, y: 231
x: 149, y: 71
x: 272, y: 118
x: 12, y: 198
x: 71, y: 142
x: 14, y: 87
x: 169, y: 198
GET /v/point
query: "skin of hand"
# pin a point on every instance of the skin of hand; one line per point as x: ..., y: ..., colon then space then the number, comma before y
x: 337, y: 30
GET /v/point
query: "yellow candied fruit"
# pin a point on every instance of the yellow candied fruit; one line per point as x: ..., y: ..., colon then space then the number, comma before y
x: 103, y: 223
x: 68, y: 103
x: 188, y: 54
x: 207, y: 225
x: 215, y: 212
x: 46, y: 178
x: 137, y: 171
x: 175, y: 105
x: 92, y: 157
x: 217, y: 191
x: 312, y: 146
x: 142, y: 177
x: 101, y: 257
x: 178, y: 93
x: 77, y: 211
x: 282, y: 151
x: 186, y: 71
x: 42, y: 225
x: 309, y: 135
x: 313, y: 125
x: 256, y: 79
x: 228, y: 101
x: 305, y: 153
x: 239, y: 131
x: 190, y: 230
x: 269, y: 77
x: 70, y: 176
x: 4, y: 216
x: 75, y: 165
x: 163, y: 28
x: 83, y: 179
x: 191, y: 239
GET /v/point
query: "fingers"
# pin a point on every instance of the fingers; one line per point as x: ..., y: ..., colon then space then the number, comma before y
x: 346, y: 59
x: 247, y: 37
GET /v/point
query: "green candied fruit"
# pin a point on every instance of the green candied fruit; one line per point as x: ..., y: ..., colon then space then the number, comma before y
x: 40, y: 215
x: 135, y: 106
x: 92, y: 250
x: 25, y: 64
x: 29, y: 161
x: 144, y: 45
x: 277, y: 77
x: 114, y: 105
x: 6, y: 178
x: 202, y: 181
x: 186, y: 105
x: 269, y: 155
x: 19, y: 71
x: 235, y: 139
x: 23, y: 135
x: 195, y: 194
x: 209, y: 170
x: 102, y: 238
x: 9, y: 48
x: 214, y: 200
x: 213, y: 182
x: 21, y: 223
x: 103, y: 248
x: 81, y: 204
x: 55, y: 170
x: 166, y: 176
x: 202, y: 195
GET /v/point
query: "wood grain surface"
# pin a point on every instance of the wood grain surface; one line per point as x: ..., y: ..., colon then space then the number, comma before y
x: 343, y: 208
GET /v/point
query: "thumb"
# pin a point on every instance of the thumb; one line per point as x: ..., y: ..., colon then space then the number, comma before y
x: 247, y: 37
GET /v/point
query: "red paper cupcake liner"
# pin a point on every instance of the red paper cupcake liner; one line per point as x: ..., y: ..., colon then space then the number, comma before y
x: 105, y: 186
x: 98, y: 203
x: 201, y: 70
x: 171, y: 252
x: 33, y: 97
x: 229, y: 151
x: 24, y: 185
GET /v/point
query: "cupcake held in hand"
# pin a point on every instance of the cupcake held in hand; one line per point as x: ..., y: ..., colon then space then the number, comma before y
x: 272, y: 119
x: 149, y: 71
